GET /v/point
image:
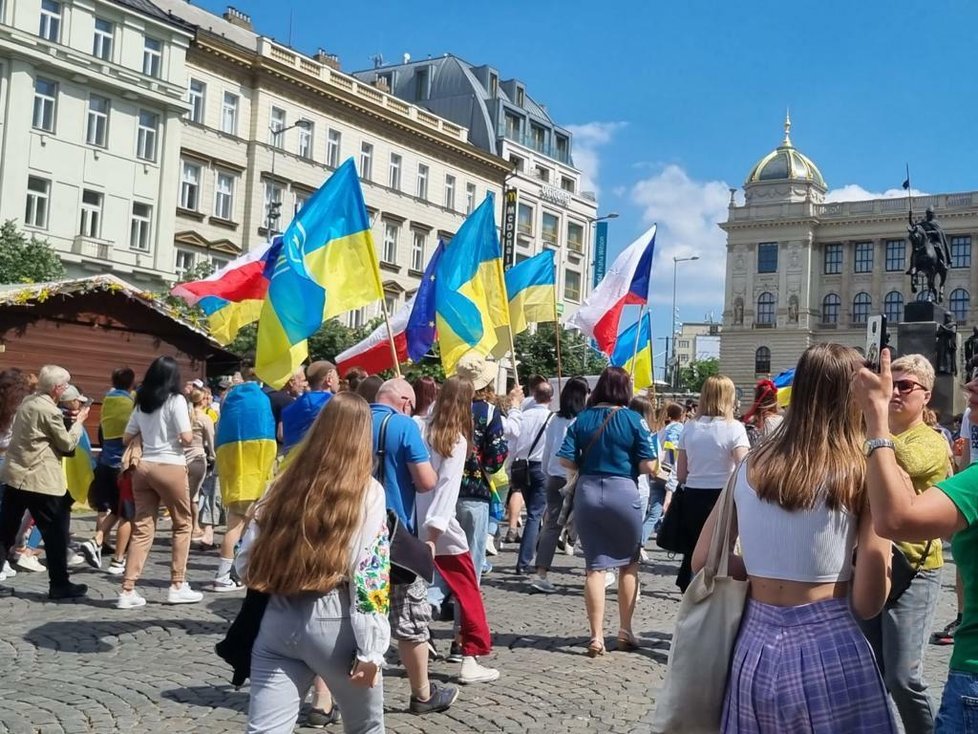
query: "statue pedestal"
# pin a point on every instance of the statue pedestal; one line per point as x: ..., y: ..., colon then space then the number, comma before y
x: 923, y: 311
x: 920, y: 337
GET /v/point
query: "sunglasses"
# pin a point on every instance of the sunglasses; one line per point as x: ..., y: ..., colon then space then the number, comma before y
x: 905, y: 387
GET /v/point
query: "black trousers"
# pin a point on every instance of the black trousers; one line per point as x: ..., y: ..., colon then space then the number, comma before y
x: 696, y: 509
x: 51, y: 515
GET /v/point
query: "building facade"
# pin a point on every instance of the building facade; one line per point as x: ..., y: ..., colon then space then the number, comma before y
x: 801, y: 270
x: 697, y: 341
x: 268, y: 125
x: 91, y: 93
x: 502, y: 119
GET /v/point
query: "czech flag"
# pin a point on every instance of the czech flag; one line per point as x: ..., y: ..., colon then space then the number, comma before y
x: 245, y: 444
x: 233, y: 296
x: 633, y: 352
x: 783, y: 382
x: 413, y: 327
x: 627, y: 282
x: 532, y: 290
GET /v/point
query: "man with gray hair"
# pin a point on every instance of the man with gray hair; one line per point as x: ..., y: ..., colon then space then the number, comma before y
x: 33, y: 479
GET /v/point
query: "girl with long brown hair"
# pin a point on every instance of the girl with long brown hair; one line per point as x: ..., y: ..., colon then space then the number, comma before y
x: 448, y: 434
x: 318, y: 544
x: 801, y: 507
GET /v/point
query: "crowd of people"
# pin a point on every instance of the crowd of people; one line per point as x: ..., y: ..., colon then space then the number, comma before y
x: 356, y: 510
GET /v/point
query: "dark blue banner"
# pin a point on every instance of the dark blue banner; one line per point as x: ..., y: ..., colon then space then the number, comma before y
x: 600, y: 252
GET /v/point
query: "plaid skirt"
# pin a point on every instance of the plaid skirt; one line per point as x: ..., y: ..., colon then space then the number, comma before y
x: 804, y: 669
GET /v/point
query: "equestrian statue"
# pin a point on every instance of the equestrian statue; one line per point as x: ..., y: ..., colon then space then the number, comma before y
x: 930, y: 256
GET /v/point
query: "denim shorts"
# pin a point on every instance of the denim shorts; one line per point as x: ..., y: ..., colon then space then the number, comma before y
x: 959, y: 705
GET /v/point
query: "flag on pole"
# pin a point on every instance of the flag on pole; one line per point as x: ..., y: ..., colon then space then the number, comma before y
x: 531, y: 287
x: 245, y: 444
x: 232, y: 297
x: 783, y: 382
x: 627, y: 282
x: 637, y: 362
x: 413, y: 327
x: 470, y: 295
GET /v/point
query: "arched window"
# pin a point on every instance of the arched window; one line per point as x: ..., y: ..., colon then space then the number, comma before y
x: 762, y: 361
x: 960, y: 304
x: 893, y: 307
x: 860, y: 308
x: 765, y: 309
x: 926, y: 294
x: 830, y: 309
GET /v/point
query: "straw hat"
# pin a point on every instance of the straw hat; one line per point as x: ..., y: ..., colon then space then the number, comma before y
x: 476, y: 368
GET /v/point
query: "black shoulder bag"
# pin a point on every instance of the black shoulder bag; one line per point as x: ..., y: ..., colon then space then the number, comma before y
x: 519, y: 472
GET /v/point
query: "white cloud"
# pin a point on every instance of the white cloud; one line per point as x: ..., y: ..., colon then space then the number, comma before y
x: 855, y: 192
x: 588, y: 138
x: 687, y: 212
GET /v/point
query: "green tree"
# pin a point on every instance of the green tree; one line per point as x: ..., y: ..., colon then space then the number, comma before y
x: 24, y: 260
x: 537, y: 353
x: 177, y: 306
x: 694, y: 374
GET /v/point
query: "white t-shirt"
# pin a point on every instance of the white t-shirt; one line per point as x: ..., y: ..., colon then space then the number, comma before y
x: 709, y: 443
x: 161, y: 429
x: 436, y: 509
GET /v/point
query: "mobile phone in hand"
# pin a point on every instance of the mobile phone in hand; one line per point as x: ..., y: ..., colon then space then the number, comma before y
x: 875, y: 340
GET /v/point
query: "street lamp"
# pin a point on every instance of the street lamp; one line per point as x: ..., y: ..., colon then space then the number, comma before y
x: 675, y: 268
x: 273, y: 213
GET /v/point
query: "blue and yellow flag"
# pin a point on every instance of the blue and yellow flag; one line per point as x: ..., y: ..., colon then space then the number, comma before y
x: 327, y: 266
x: 245, y: 444
x: 532, y: 290
x: 470, y: 293
x: 116, y: 408
x: 783, y: 382
x: 637, y: 361
x: 79, y: 471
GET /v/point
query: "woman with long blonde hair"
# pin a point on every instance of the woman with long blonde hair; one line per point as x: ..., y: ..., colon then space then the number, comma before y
x: 448, y: 435
x: 800, y: 663
x: 318, y: 544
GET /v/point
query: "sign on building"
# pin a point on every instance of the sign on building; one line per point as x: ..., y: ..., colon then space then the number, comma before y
x: 600, y: 252
x: 509, y: 227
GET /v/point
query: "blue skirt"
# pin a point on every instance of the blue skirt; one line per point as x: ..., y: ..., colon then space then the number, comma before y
x: 608, y: 518
x: 804, y: 669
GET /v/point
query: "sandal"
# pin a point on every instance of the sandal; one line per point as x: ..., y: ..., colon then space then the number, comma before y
x: 595, y: 648
x: 626, y: 641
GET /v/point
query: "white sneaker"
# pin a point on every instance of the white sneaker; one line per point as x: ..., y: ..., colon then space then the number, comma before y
x: 8, y: 570
x: 183, y: 594
x: 117, y: 568
x: 491, y: 547
x: 225, y: 583
x: 129, y: 600
x: 609, y: 579
x: 473, y: 672
x: 643, y: 555
x: 29, y: 563
x: 542, y: 585
x: 76, y: 559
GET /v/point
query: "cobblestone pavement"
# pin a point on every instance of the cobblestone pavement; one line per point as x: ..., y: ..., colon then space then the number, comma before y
x: 83, y: 666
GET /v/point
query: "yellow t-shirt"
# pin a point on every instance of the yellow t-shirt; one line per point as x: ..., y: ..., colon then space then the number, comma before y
x: 922, y: 453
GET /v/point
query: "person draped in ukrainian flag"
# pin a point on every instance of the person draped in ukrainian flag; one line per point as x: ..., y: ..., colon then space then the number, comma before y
x: 245, y: 451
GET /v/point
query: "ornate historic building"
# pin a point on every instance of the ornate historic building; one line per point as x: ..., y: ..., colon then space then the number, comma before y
x: 801, y: 270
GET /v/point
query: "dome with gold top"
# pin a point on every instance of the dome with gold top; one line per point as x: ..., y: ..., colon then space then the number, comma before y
x: 786, y: 163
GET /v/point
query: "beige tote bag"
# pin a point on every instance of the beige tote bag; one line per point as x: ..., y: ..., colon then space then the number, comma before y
x: 691, y: 700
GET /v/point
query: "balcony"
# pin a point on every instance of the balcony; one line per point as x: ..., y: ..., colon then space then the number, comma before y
x: 92, y: 247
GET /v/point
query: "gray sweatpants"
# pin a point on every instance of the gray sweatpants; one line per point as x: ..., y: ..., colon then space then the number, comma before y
x: 302, y: 637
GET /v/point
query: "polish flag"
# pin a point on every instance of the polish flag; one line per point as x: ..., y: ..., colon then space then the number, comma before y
x: 627, y: 282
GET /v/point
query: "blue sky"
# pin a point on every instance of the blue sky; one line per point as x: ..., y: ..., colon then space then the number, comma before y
x: 672, y: 103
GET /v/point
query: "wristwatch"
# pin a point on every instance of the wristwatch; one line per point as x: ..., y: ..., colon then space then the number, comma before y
x: 872, y: 444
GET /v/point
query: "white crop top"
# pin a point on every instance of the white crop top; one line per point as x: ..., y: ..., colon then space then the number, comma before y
x: 812, y: 546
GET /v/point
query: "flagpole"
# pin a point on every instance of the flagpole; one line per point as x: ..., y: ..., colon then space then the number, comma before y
x: 512, y: 353
x: 560, y: 371
x: 638, y: 336
x: 390, y: 338
x: 652, y: 364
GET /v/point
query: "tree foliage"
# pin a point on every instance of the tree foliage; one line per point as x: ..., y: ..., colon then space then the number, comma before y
x: 537, y: 353
x: 178, y: 307
x: 24, y: 260
x: 693, y: 375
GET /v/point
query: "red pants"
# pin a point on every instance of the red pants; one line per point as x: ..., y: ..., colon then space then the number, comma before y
x: 459, y: 575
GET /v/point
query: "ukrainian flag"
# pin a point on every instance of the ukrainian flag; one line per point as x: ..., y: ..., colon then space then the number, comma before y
x: 532, y: 290
x: 245, y: 444
x: 327, y: 266
x: 783, y: 382
x: 116, y: 408
x: 470, y: 293
x: 637, y: 362
x: 79, y: 470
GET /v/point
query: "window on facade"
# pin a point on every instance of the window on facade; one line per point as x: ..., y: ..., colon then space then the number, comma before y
x: 863, y: 262
x: 469, y: 198
x: 575, y: 237
x: 493, y: 86
x: 543, y: 173
x: 276, y: 124
x: 390, y: 302
x: 896, y: 255
x: 860, y: 308
x: 149, y: 123
x: 422, y: 78
x: 517, y: 163
x: 333, y: 141
x: 762, y: 360
x: 50, y: 21
x: 139, y: 229
x: 38, y: 198
x: 300, y: 201
x: 524, y: 220
x: 833, y: 260
x: 520, y: 97
x: 567, y: 184
x: 767, y: 257
x: 152, y: 57
x: 422, y: 181
x: 961, y: 252
x: 273, y: 204
x: 538, y: 138
x: 893, y: 307
x: 98, y: 120
x: 563, y: 148
x: 830, y: 309
x: 195, y: 96
x: 765, y: 309
x: 366, y: 161
x: 91, y: 214
x: 358, y: 318
x: 960, y: 304
x: 572, y: 286
x: 185, y: 262
x: 550, y: 229
x: 189, y: 186
x: 224, y: 196
x: 450, y: 192
x: 389, y: 254
x: 417, y: 250
x: 102, y: 41
x: 45, y: 99
x: 305, y: 140
x: 394, y: 172
x: 219, y: 262
x: 512, y: 126
x: 229, y: 114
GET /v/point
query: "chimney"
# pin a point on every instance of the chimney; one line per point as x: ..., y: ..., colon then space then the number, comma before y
x: 235, y: 17
x: 327, y: 59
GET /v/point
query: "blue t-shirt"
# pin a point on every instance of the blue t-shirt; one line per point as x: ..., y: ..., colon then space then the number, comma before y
x: 625, y: 441
x: 298, y: 417
x: 403, y: 446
